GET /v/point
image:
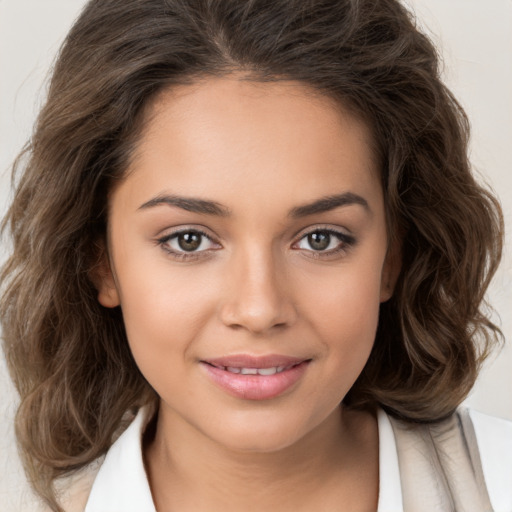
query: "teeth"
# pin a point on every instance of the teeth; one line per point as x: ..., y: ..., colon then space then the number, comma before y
x: 249, y: 371
x: 257, y: 371
x: 267, y: 371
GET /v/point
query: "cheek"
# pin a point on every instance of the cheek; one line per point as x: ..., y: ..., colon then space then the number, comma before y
x: 163, y: 312
x: 348, y: 298
x: 343, y: 311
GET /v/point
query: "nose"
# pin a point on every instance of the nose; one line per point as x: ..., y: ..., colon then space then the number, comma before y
x: 258, y: 295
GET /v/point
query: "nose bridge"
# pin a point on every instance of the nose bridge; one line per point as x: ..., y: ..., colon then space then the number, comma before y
x: 257, y: 297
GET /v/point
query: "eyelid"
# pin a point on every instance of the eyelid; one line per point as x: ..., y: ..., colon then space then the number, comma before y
x: 337, y: 230
x: 182, y: 254
x: 347, y: 240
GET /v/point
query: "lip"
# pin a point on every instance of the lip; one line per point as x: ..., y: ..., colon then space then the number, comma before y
x: 255, y: 387
x: 249, y: 361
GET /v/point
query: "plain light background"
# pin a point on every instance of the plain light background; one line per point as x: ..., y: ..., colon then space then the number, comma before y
x: 475, y: 39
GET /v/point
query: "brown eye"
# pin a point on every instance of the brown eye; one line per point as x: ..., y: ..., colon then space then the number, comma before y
x: 319, y: 240
x: 189, y: 241
x: 325, y: 242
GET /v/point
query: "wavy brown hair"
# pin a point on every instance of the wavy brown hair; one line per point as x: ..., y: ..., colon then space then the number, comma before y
x: 69, y: 357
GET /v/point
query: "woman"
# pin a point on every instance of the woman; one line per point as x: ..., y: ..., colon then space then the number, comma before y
x: 254, y: 226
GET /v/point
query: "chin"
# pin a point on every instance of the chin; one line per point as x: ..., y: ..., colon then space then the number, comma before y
x: 268, y: 442
x: 263, y: 434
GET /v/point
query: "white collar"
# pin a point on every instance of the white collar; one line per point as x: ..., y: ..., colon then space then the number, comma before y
x: 122, y: 484
x: 390, y: 488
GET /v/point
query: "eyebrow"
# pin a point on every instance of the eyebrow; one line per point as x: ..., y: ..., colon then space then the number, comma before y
x: 207, y: 207
x: 329, y: 203
x: 190, y: 204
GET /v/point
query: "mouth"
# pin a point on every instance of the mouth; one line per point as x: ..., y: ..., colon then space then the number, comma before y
x: 271, y: 370
x: 256, y: 378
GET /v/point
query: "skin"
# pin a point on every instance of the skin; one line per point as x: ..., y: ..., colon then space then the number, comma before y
x: 254, y: 286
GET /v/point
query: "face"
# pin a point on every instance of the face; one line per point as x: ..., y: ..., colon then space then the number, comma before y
x: 247, y: 251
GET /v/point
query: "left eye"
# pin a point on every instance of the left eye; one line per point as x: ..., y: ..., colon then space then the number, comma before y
x: 188, y: 241
x: 322, y: 241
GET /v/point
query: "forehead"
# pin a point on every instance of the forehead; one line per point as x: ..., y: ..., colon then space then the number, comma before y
x: 221, y: 135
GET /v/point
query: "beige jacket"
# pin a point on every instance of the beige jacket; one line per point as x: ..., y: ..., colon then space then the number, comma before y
x: 440, y: 466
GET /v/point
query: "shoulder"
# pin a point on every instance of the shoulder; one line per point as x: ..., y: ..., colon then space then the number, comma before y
x: 73, y: 491
x: 100, y: 477
x: 467, y: 457
x: 494, y: 439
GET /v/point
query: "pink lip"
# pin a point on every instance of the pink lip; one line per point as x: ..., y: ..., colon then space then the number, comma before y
x: 255, y: 387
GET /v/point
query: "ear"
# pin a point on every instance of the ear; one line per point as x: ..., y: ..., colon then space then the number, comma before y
x: 102, y: 277
x: 391, y: 270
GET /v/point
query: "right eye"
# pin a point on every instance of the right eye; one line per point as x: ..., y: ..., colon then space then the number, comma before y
x: 187, y: 243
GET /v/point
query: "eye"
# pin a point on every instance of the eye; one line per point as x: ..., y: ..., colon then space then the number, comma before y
x: 187, y: 242
x: 325, y: 241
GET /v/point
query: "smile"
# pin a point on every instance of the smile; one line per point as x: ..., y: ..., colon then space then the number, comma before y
x: 255, y: 371
x: 251, y: 378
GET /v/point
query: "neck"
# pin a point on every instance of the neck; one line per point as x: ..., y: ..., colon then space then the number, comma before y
x: 190, y: 471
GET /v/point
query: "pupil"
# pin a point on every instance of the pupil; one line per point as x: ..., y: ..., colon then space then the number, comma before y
x: 189, y: 241
x: 319, y: 240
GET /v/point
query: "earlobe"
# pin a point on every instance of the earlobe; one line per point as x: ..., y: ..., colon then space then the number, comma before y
x: 102, y: 277
x: 107, y: 293
x: 390, y: 271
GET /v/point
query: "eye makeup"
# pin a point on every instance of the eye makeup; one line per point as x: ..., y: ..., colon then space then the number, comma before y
x: 192, y: 243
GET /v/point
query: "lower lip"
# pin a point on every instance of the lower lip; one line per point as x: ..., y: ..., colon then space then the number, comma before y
x: 256, y: 387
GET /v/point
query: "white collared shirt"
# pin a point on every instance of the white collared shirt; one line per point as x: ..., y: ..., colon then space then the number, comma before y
x: 121, y: 484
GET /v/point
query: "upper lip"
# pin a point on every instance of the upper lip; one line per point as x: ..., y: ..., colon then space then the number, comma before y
x: 249, y: 361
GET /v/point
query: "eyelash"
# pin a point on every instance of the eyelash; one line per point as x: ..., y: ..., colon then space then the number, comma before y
x: 345, y: 243
x: 183, y: 256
